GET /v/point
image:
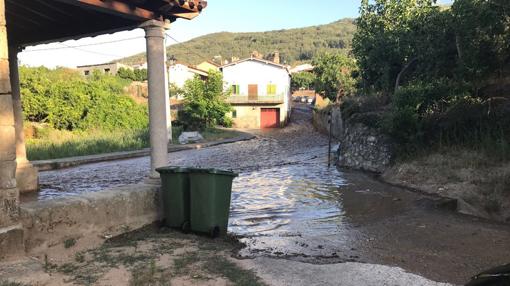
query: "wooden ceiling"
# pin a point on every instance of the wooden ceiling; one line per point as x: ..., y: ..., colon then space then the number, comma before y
x: 32, y: 22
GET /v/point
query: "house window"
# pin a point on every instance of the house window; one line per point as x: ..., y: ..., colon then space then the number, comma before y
x: 236, y: 89
x: 234, y: 114
x: 271, y: 89
x: 86, y: 72
x: 107, y: 70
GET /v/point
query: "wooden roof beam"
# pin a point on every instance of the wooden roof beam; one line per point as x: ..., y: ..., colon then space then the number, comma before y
x: 116, y: 8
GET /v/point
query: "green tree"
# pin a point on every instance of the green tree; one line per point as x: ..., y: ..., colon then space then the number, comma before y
x: 334, y: 74
x: 392, y: 36
x: 205, y: 102
x: 482, y: 37
x: 303, y: 80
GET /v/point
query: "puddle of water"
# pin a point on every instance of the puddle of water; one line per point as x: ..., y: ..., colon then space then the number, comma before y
x: 294, y: 210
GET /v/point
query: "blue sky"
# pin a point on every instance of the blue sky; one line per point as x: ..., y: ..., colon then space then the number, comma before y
x: 220, y: 15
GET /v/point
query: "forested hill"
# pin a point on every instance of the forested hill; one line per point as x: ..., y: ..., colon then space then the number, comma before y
x: 294, y: 45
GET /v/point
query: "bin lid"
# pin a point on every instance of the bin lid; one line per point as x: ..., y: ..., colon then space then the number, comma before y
x: 213, y: 171
x: 172, y: 170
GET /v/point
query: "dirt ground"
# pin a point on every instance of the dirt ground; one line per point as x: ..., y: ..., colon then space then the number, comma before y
x: 150, y: 256
x: 480, y: 184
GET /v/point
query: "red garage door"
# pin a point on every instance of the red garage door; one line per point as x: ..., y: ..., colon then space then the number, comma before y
x: 269, y: 117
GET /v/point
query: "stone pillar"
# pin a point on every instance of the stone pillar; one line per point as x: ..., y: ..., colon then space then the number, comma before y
x: 168, y: 109
x: 11, y: 231
x: 27, y: 178
x: 158, y: 93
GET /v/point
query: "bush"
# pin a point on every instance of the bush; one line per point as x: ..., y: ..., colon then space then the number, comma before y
x: 447, y: 113
x: 205, y: 103
x: 134, y: 75
x: 68, y: 101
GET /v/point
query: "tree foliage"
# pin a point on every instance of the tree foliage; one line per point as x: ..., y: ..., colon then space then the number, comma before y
x: 393, y: 34
x: 66, y: 100
x: 482, y: 30
x: 303, y: 80
x: 444, y: 68
x: 334, y: 74
x: 205, y: 103
x: 134, y: 75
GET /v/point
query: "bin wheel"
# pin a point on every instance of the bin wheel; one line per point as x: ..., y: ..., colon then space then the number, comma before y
x: 215, y: 232
x: 185, y: 227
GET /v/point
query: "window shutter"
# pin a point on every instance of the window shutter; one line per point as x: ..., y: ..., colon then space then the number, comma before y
x: 271, y: 89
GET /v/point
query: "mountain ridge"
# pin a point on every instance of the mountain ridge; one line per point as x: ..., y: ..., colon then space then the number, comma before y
x: 295, y: 45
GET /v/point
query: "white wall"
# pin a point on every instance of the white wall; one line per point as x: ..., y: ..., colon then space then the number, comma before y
x: 261, y: 74
x: 178, y: 74
x: 254, y: 72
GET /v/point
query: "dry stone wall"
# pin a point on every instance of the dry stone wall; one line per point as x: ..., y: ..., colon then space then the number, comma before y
x: 361, y: 147
x: 364, y: 148
x: 321, y: 123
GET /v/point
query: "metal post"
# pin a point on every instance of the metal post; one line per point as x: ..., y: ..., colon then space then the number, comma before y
x: 329, y: 144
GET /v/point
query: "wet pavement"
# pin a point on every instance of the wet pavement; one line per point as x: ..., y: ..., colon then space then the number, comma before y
x: 288, y: 204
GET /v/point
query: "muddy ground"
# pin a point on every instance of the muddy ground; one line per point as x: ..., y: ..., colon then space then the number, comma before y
x: 287, y: 204
x: 152, y: 256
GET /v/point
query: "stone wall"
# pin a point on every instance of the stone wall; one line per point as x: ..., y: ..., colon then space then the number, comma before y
x: 320, y: 121
x: 361, y: 147
x: 364, y: 148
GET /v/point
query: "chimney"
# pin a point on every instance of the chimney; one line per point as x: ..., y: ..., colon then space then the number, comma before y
x: 276, y: 58
x: 256, y: 55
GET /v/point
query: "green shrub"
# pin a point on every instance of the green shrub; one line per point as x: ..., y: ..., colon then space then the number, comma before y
x: 205, y: 103
x: 447, y: 113
x: 68, y: 101
x: 134, y: 75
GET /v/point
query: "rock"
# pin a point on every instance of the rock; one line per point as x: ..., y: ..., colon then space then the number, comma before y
x: 190, y: 137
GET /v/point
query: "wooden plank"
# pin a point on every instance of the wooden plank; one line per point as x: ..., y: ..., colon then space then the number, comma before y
x: 116, y: 8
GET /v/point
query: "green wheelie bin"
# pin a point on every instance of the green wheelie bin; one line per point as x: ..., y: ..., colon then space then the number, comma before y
x: 210, y: 200
x: 175, y: 196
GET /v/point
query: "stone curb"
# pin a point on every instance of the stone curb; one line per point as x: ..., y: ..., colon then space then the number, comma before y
x: 47, y: 165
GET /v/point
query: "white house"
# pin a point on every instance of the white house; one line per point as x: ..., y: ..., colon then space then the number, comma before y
x: 179, y: 73
x: 260, y: 93
x: 107, y: 68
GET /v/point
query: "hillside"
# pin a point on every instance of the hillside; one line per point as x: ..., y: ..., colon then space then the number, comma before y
x: 294, y: 45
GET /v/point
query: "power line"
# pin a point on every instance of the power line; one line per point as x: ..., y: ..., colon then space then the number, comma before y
x: 91, y: 52
x: 188, y: 52
x: 84, y: 45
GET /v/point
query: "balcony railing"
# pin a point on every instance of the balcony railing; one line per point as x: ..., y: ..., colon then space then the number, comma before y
x: 256, y: 99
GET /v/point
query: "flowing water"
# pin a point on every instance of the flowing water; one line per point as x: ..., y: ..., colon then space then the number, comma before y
x: 287, y: 203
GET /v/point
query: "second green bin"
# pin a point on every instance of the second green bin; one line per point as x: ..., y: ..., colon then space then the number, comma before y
x: 210, y: 200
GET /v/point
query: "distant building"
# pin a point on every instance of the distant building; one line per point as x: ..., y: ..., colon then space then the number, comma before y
x: 179, y: 73
x: 208, y: 65
x: 260, y: 93
x: 141, y: 66
x: 108, y: 68
x: 302, y: 68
